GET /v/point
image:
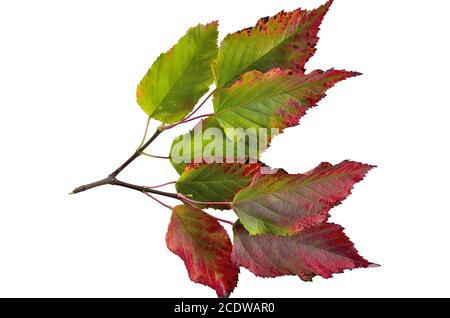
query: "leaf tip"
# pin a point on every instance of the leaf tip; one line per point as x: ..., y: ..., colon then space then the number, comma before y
x: 214, y: 23
x: 328, y: 4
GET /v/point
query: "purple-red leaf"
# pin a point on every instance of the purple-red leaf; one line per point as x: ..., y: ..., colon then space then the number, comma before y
x: 285, y: 204
x: 321, y: 250
x: 204, y: 246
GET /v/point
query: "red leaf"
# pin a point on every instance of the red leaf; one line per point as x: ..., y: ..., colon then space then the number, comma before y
x: 204, y: 246
x: 320, y: 250
x: 285, y: 204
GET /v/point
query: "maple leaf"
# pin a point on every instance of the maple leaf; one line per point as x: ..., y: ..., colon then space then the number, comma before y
x: 293, y: 37
x: 204, y: 246
x: 285, y: 204
x: 321, y: 250
x: 179, y: 77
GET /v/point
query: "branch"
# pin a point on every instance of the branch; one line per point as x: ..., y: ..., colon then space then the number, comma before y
x: 113, y: 181
x: 112, y: 177
x: 144, y: 189
x: 92, y: 185
x: 136, y: 154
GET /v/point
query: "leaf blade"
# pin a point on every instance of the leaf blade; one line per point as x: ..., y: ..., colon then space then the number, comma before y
x: 204, y: 246
x: 215, y: 182
x: 285, y: 204
x: 294, y: 37
x: 207, y: 142
x: 321, y: 250
x: 178, y: 78
x: 275, y: 99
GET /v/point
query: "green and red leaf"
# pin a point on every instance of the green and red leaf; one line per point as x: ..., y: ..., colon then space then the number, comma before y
x: 285, y: 204
x: 321, y: 250
x: 275, y: 99
x: 286, y: 40
x: 207, y: 142
x: 178, y: 78
x: 215, y: 182
x: 204, y: 246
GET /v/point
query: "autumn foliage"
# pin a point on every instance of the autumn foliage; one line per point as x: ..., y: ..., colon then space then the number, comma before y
x: 260, y: 83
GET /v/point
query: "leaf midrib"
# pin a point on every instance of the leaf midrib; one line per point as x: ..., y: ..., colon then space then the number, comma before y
x: 184, y: 71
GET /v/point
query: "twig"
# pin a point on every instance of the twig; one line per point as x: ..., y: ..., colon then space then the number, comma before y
x: 136, y: 154
x: 111, y: 179
x: 144, y: 189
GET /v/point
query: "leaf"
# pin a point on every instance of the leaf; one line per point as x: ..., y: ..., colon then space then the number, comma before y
x: 215, y: 182
x: 207, y: 142
x: 321, y: 250
x: 286, y: 40
x: 204, y: 246
x: 286, y: 204
x: 276, y: 99
x: 262, y: 101
x: 178, y: 78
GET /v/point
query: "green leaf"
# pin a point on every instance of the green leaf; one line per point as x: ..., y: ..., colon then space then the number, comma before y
x: 215, y: 182
x: 204, y: 246
x: 207, y: 142
x: 178, y: 78
x: 285, y: 204
x: 276, y: 99
x: 321, y: 250
x: 286, y: 40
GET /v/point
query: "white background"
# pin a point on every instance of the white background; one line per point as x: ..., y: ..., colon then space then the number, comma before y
x: 68, y: 74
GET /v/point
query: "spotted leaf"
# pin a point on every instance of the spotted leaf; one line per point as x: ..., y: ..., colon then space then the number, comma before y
x: 286, y: 40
